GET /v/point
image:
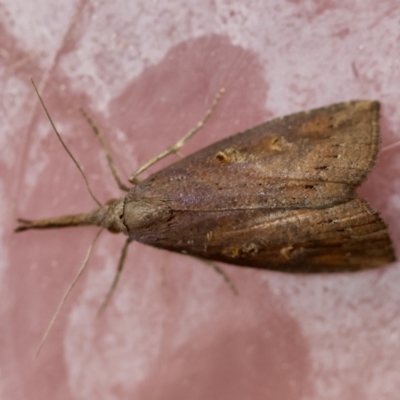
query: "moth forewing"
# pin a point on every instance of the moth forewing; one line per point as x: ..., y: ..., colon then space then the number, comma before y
x: 278, y: 196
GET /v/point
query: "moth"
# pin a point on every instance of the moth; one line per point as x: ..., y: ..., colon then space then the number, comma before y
x: 280, y: 196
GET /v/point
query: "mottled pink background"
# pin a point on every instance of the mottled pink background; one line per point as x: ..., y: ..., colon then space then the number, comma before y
x: 146, y: 71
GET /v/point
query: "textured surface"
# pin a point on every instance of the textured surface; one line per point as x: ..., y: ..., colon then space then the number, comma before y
x: 146, y: 72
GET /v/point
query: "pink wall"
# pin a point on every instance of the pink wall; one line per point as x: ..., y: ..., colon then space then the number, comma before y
x: 146, y: 72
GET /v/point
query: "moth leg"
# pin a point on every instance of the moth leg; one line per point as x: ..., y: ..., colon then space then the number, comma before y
x: 103, y: 144
x: 179, y: 144
x: 221, y: 272
x: 114, y: 283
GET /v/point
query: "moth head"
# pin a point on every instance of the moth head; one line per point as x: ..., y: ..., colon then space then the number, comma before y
x: 112, y: 216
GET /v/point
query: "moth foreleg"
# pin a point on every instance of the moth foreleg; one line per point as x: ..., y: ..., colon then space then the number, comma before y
x: 179, y: 144
x: 103, y: 144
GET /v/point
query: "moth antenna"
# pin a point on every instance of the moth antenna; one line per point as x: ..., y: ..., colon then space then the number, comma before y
x: 64, y: 145
x: 179, y: 144
x: 120, y: 267
x: 68, y: 291
x: 103, y: 144
x: 221, y: 272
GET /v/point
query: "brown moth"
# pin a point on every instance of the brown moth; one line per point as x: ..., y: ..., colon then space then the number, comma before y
x: 280, y: 196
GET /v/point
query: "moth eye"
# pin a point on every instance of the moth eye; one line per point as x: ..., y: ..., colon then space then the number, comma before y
x: 321, y: 168
x: 309, y: 186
